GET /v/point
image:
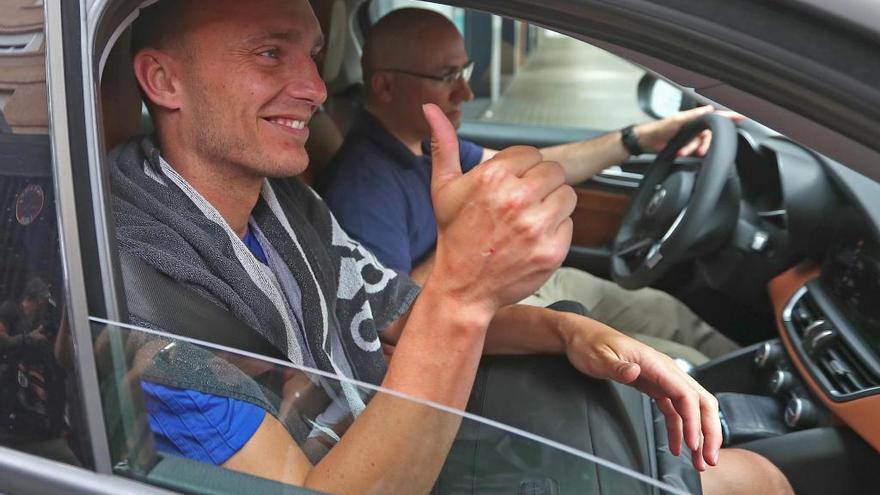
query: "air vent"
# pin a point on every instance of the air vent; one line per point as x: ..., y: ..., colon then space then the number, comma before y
x: 843, y: 370
x: 829, y: 355
x: 805, y: 314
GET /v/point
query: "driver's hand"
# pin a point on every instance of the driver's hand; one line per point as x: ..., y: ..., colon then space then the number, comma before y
x: 503, y: 227
x: 654, y: 136
x: 602, y: 352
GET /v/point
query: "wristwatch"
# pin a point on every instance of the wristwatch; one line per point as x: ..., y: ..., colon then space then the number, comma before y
x: 630, y: 139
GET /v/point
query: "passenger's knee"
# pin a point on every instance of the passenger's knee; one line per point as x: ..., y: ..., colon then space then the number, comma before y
x: 744, y: 472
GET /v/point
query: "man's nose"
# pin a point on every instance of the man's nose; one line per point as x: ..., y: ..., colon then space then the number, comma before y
x: 305, y: 83
x: 463, y: 89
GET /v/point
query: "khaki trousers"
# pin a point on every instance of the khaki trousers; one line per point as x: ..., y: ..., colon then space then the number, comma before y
x: 649, y: 315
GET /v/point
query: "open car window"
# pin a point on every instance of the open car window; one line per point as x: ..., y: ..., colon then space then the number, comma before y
x: 529, y: 77
x: 314, y: 407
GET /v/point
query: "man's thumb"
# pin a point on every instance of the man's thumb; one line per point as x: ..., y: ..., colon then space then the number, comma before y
x: 626, y: 372
x: 445, y: 161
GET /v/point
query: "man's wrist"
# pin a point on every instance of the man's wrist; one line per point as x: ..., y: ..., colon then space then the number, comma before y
x: 465, y: 312
x: 629, y: 137
x: 565, y: 326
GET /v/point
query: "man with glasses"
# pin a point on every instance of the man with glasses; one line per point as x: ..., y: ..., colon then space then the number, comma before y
x: 378, y: 185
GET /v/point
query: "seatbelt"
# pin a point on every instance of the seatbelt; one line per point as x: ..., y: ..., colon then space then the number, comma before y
x: 171, y: 306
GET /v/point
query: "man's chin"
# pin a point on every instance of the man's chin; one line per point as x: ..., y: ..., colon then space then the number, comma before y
x: 285, y: 163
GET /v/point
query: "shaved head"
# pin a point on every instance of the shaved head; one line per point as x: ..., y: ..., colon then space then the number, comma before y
x: 162, y: 25
x: 406, y: 56
x: 403, y: 37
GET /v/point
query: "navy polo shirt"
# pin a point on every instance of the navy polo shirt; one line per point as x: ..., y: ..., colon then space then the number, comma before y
x: 380, y: 192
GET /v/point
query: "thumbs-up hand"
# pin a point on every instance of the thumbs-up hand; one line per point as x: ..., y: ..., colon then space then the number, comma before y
x: 503, y: 227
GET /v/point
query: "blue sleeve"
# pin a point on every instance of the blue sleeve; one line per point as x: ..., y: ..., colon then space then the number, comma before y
x: 470, y: 154
x: 199, y: 426
x: 371, y: 208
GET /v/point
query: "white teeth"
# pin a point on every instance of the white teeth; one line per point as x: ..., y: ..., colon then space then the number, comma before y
x: 293, y: 124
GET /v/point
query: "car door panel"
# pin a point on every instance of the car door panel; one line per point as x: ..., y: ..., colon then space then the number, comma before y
x: 597, y: 216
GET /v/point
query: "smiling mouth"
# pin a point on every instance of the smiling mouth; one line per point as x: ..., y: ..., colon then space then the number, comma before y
x: 293, y: 124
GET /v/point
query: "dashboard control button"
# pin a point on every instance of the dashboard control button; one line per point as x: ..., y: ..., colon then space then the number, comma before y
x: 768, y: 354
x: 781, y: 382
x: 760, y: 241
x: 800, y: 413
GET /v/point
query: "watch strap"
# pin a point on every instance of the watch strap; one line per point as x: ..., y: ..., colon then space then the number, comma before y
x: 630, y: 139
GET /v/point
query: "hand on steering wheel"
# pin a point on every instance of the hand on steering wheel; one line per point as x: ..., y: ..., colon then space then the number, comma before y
x: 667, y: 216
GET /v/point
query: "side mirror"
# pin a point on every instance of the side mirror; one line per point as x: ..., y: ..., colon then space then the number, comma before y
x: 659, y: 99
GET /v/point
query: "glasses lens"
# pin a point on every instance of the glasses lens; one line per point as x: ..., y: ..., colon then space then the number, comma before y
x: 467, y: 70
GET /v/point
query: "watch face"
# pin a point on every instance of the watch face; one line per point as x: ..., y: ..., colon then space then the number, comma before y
x: 29, y: 204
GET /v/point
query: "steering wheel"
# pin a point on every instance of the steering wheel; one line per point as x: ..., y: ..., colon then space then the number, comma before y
x: 669, y: 213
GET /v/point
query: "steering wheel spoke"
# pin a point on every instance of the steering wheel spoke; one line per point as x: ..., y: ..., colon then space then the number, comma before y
x: 634, y: 245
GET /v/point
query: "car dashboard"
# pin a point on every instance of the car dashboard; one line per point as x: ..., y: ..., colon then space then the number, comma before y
x: 828, y: 312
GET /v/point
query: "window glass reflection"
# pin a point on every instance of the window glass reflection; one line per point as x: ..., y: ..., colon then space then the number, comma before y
x: 39, y: 399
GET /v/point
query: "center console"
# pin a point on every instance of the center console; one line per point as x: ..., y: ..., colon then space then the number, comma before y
x: 810, y: 400
x: 761, y: 394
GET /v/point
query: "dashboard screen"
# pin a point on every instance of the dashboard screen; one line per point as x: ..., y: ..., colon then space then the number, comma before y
x: 851, y: 275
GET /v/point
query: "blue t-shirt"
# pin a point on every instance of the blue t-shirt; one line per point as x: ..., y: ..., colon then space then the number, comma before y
x: 380, y: 192
x: 205, y: 427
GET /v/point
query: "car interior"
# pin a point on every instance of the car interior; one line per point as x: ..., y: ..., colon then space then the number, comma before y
x: 784, y: 216
x: 780, y: 250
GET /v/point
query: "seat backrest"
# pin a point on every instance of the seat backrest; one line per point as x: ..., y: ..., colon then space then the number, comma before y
x: 121, y: 102
x: 325, y: 132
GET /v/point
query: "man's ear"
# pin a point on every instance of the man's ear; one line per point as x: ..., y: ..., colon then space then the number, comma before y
x: 156, y: 74
x: 382, y: 86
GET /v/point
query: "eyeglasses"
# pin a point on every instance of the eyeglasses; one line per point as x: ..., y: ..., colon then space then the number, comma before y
x: 464, y: 73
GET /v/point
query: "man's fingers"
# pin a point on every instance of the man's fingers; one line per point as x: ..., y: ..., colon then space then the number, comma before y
x: 736, y: 117
x: 705, y: 143
x: 698, y: 146
x: 690, y: 147
x: 698, y: 412
x: 697, y: 457
x: 693, y: 113
x: 556, y: 206
x: 546, y: 177
x: 516, y: 160
x: 563, y: 233
x: 688, y: 408
x: 712, y: 436
x: 673, y: 424
x: 445, y: 160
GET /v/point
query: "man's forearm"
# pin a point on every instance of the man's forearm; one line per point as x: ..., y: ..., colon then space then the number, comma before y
x: 435, y: 360
x: 523, y: 329
x: 584, y: 159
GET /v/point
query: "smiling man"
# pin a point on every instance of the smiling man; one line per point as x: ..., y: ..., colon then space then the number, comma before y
x: 378, y: 185
x: 230, y: 85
